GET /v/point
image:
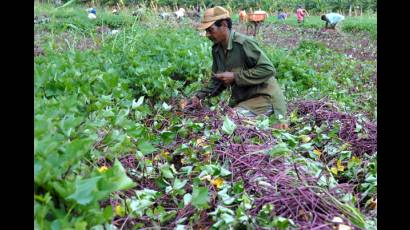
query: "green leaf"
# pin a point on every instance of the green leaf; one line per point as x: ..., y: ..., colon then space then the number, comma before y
x: 228, y: 126
x: 37, y: 168
x: 178, y: 184
x: 226, y: 199
x: 139, y: 206
x: 85, y: 190
x: 187, y: 199
x: 334, y: 170
x: 290, y: 139
x: 187, y: 169
x: 116, y: 179
x: 167, y: 136
x: 103, y: 227
x: 306, y: 146
x: 246, y: 201
x: 355, y: 216
x: 78, y: 147
x: 166, y: 171
x: 166, y: 107
x: 227, y: 218
x: 200, y: 197
x: 279, y: 150
x: 108, y: 214
x: 168, y: 189
x: 146, y: 148
x: 166, y: 216
x: 238, y: 187
x: 305, y: 138
x: 81, y: 225
x: 263, y: 125
x: 282, y: 223
x: 180, y: 227
x: 225, y: 172
x: 358, y: 128
x: 241, y: 215
x: 214, y: 170
x: 138, y: 103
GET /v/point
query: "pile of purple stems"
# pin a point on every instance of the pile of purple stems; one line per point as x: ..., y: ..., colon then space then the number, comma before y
x: 321, y: 111
x: 291, y: 190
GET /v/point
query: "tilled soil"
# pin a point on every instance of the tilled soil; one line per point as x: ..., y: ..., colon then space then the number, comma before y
x: 38, y: 51
x: 66, y: 40
x: 357, y: 45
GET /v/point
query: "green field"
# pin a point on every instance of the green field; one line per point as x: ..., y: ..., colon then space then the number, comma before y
x: 113, y: 150
x: 350, y: 24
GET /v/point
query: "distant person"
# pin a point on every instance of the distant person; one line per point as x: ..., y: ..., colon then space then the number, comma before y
x: 197, y: 12
x: 282, y: 15
x: 331, y: 20
x: 300, y: 14
x: 92, y: 13
x: 194, y: 13
x: 243, y: 17
x: 179, y: 14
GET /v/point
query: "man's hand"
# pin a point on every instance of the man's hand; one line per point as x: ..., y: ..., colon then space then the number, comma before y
x: 226, y: 77
x: 183, y: 103
x: 281, y: 126
x: 194, y: 102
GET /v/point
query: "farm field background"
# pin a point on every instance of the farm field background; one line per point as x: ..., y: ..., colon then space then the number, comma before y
x: 114, y: 150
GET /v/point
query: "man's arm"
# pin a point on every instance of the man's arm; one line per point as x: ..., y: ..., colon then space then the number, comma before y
x: 261, y: 68
x: 214, y: 87
x: 305, y: 12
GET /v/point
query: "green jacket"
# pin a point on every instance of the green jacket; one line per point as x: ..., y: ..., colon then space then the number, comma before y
x: 253, y: 71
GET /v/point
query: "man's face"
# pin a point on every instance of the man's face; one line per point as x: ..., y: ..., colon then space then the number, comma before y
x: 215, y: 34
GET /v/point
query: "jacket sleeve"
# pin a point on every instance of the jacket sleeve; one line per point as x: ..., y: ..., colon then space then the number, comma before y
x: 261, y: 68
x: 214, y: 87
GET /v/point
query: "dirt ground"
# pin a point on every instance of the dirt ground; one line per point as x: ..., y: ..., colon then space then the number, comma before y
x: 65, y: 40
x: 358, y: 45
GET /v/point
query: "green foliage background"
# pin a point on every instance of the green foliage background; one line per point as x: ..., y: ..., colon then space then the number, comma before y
x: 95, y: 102
x: 313, y: 6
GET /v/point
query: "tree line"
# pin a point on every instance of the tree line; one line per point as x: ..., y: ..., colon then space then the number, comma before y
x: 346, y: 7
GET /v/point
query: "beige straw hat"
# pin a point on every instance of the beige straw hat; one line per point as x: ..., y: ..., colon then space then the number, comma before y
x: 212, y: 15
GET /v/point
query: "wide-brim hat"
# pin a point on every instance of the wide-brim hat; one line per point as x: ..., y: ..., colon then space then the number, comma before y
x: 212, y: 15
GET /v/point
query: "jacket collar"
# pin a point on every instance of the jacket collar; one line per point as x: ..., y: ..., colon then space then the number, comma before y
x: 230, y: 40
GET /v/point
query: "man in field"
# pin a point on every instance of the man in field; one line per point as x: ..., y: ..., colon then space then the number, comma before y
x: 300, y: 14
x: 282, y: 15
x: 331, y: 20
x: 240, y: 65
x: 243, y: 17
